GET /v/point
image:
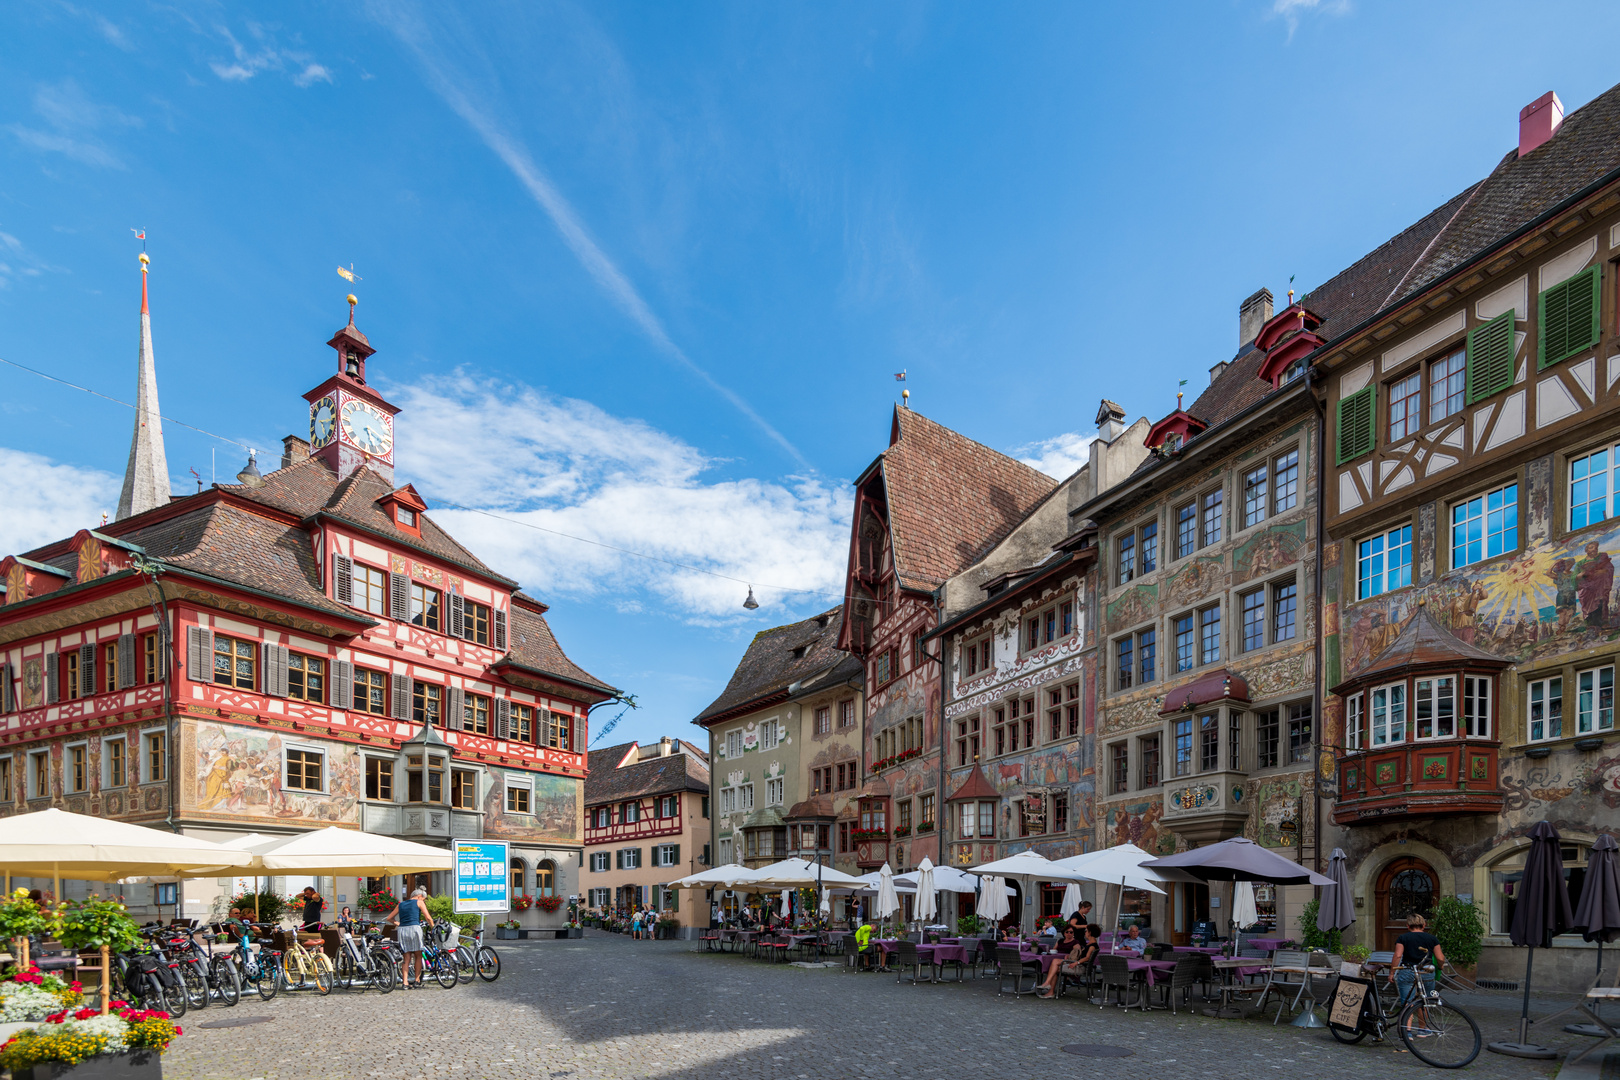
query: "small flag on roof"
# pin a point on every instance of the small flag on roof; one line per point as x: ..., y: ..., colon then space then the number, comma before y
x: 349, y: 274
x: 900, y: 376
x: 1183, y: 382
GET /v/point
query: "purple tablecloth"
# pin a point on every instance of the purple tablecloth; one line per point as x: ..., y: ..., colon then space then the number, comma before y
x: 1207, y: 950
x: 1265, y: 943
x: 943, y: 954
x: 1152, y: 967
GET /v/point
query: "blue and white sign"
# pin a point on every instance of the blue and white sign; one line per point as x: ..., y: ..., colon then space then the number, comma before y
x: 481, y: 876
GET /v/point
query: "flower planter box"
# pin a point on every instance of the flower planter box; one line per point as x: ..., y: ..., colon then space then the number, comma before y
x: 506, y: 933
x: 131, y: 1065
x: 578, y: 931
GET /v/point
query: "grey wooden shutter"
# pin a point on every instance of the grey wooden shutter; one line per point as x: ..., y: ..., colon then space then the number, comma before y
x: 199, y: 654
x: 457, y: 614
x: 53, y: 678
x: 8, y: 696
x: 1357, y: 432
x: 1490, y: 357
x: 399, y: 597
x: 1568, y: 315
x: 342, y: 579
x: 500, y: 629
x: 87, y: 671
x: 618, y: 859
x: 275, y: 669
x: 401, y: 687
x: 126, y: 661
x: 455, y: 707
x: 503, y: 718
x: 340, y: 690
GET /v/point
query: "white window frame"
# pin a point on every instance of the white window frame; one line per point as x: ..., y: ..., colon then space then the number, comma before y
x: 1275, y: 487
x: 625, y: 858
x: 1355, y: 716
x: 775, y: 790
x: 326, y: 768
x: 745, y: 796
x: 67, y: 767
x: 39, y: 764
x: 1476, y: 707
x: 770, y: 733
x: 1403, y: 533
x: 664, y: 854
x: 1545, y: 686
x: 1484, y: 519
x: 146, y: 756
x: 728, y: 800
x: 1432, y: 693
x: 734, y: 744
x: 1589, y: 708
x: 601, y: 861
x: 10, y: 794
x: 727, y: 844
x: 1382, y: 732
x: 1609, y: 475
x: 629, y: 812
x: 667, y: 806
x: 509, y: 784
x: 106, y: 762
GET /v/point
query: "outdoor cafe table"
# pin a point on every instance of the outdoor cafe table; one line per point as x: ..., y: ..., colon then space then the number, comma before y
x: 1233, y: 967
x: 1207, y: 950
x: 1270, y: 944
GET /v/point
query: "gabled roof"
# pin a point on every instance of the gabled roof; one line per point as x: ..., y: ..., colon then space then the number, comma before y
x: 532, y: 645
x: 950, y: 498
x: 310, y: 487
x: 1422, y: 644
x: 803, y: 653
x: 607, y: 782
x: 976, y: 786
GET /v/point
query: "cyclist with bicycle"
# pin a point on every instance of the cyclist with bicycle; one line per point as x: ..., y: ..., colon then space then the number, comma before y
x: 1416, y: 953
x: 409, y: 914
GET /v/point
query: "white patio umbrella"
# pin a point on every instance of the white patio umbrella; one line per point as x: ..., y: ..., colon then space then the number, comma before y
x: 888, y: 902
x: 1244, y: 912
x: 993, y: 899
x: 927, y: 902
x: 1071, y: 898
x: 795, y: 874
x: 1119, y: 867
x: 904, y: 884
x: 56, y: 844
x: 946, y: 879
x: 726, y: 876
x: 334, y: 850
x: 785, y: 903
x: 1028, y: 866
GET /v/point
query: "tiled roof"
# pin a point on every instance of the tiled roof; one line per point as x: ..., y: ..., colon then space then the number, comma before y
x: 950, y: 499
x: 976, y: 786
x: 534, y: 646
x: 1422, y: 642
x: 770, y: 665
x: 310, y: 487
x: 606, y: 782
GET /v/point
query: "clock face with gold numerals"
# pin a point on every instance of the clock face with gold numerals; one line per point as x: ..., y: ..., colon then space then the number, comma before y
x: 322, y: 421
x: 368, y: 428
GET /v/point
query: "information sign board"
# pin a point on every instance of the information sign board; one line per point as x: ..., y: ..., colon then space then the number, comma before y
x: 481, y: 876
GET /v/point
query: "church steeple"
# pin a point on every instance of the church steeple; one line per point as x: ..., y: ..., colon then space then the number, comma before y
x: 146, y: 478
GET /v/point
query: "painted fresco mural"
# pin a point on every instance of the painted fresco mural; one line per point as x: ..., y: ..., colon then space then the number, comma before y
x: 1140, y: 824
x: 556, y: 801
x: 239, y: 771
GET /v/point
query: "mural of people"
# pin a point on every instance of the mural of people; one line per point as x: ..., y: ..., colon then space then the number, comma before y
x: 1596, y: 573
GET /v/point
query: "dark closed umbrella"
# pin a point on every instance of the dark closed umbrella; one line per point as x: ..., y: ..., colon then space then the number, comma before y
x: 1337, y: 909
x: 1597, y: 912
x: 1540, y: 911
x: 1238, y: 859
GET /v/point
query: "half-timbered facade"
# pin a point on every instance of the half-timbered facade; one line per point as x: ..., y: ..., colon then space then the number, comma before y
x: 1471, y: 373
x: 928, y: 507
x: 647, y: 824
x: 261, y: 656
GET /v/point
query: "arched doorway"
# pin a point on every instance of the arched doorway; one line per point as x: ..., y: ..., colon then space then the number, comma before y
x: 1406, y: 885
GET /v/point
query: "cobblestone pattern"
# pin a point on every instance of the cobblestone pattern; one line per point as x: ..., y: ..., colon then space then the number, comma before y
x: 608, y: 1007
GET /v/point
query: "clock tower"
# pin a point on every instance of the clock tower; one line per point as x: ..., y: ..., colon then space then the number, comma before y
x: 350, y: 424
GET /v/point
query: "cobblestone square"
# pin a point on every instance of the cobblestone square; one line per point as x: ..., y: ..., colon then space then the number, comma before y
x: 609, y: 1007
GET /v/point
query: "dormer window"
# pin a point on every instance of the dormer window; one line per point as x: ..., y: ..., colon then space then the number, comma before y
x: 1292, y: 372
x: 405, y: 516
x: 1172, y: 441
x: 404, y: 507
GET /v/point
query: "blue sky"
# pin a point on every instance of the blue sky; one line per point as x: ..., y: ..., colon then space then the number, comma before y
x: 644, y: 272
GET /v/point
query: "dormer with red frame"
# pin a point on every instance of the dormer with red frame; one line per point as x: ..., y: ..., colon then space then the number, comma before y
x: 405, y: 507
x: 1169, y: 435
x: 1287, y: 339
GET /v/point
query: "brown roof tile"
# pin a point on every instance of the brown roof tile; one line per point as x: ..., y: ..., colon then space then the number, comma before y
x: 950, y: 499
x: 606, y: 782
x: 534, y: 646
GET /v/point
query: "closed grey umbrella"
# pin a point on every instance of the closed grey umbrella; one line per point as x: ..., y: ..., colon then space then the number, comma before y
x: 1540, y: 912
x: 1337, y: 909
x: 1597, y: 912
x: 1239, y: 859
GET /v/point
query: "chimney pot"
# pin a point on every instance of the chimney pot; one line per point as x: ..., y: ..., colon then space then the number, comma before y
x: 665, y: 747
x: 1539, y: 121
x: 1216, y: 369
x: 1253, y: 313
x: 293, y: 450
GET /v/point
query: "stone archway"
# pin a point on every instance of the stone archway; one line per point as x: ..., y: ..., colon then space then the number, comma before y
x: 1405, y: 886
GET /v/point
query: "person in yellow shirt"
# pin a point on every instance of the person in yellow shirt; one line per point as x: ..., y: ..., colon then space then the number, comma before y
x: 867, y: 952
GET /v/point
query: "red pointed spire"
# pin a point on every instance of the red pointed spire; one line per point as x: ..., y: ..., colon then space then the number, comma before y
x: 144, y: 261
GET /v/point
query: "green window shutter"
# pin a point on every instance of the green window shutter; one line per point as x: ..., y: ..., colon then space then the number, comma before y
x: 1357, y: 430
x: 1490, y: 357
x: 1568, y: 318
x: 675, y: 855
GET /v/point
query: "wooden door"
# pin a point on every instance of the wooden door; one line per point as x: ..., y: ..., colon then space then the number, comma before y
x: 1406, y: 885
x: 1189, y: 906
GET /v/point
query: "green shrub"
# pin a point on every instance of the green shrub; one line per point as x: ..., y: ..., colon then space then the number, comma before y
x: 444, y: 908
x: 968, y: 924
x: 1460, y: 928
x: 1312, y: 938
x: 271, y: 905
x: 93, y: 922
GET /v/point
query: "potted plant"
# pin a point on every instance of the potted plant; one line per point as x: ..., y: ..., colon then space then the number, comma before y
x: 378, y: 901
x: 522, y: 902
x: 21, y: 917
x: 124, y: 1044
x: 507, y: 931
x: 576, y: 930
x: 1461, y: 931
x: 667, y: 926
x: 549, y: 904
x: 30, y: 995
x: 1357, y: 954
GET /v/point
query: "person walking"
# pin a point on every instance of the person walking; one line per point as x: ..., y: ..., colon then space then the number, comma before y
x: 635, y: 926
x: 410, y: 914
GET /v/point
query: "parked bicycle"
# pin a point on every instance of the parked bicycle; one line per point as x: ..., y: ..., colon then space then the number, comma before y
x: 205, y: 974
x: 474, y: 957
x: 303, y: 968
x: 362, y: 961
x: 1437, y: 1032
x: 149, y: 977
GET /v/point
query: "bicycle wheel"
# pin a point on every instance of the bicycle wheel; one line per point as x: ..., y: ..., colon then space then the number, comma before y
x: 382, y: 973
x: 324, y: 974
x: 489, y: 964
x: 174, y: 998
x: 463, y: 959
x: 196, y: 985
x: 226, y: 980
x: 1439, y: 1034
x: 148, y: 990
x: 1352, y: 1039
x: 345, y: 970
x: 444, y: 970
x: 267, y: 978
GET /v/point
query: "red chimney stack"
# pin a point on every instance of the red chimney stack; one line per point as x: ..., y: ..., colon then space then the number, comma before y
x: 1539, y: 121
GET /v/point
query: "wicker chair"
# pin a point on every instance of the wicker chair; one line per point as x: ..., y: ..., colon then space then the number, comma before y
x: 1012, y: 965
x: 1179, y: 988
x: 907, y: 956
x: 1117, y: 975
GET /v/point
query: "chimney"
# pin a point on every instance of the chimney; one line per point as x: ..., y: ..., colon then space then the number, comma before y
x: 1215, y: 370
x: 1539, y: 121
x: 1110, y: 420
x: 1253, y: 313
x: 294, y: 450
x: 665, y: 747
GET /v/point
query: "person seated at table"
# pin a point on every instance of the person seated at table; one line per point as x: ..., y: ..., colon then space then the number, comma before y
x: 1132, y: 944
x: 347, y: 921
x: 1080, y: 953
x: 1415, y: 949
x: 865, y: 949
x: 1049, y: 932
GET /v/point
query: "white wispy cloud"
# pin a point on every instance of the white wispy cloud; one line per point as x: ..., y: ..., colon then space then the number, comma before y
x: 57, y: 501
x: 17, y: 261
x: 1290, y: 11
x: 109, y: 30
x: 1058, y: 456
x: 566, y: 465
x: 264, y: 54
x: 454, y: 87
x: 74, y: 125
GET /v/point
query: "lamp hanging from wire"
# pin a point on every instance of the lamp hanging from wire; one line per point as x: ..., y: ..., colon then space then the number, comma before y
x: 750, y: 603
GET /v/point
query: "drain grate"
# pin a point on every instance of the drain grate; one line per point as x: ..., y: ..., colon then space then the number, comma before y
x: 237, y: 1021
x: 1097, y: 1050
x: 1497, y: 984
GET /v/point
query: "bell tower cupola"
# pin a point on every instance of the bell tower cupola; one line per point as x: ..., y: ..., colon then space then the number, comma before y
x: 350, y: 424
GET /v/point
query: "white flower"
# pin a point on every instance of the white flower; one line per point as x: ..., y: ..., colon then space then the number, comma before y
x: 20, y: 1002
x: 112, y: 1027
